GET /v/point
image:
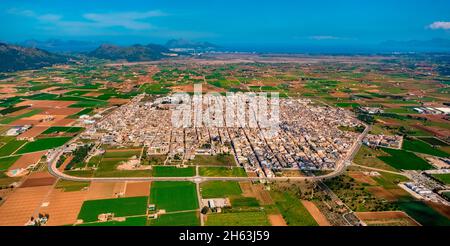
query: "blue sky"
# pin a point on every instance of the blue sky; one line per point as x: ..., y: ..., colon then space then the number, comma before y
x: 228, y: 22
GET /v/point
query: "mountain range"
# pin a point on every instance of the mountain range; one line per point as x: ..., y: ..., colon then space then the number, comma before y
x: 13, y: 58
x: 57, y: 45
x: 187, y: 44
x: 132, y: 53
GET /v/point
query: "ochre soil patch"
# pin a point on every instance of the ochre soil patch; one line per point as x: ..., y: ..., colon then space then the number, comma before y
x: 137, y: 189
x: 7, y: 90
x: 64, y: 122
x: 118, y: 100
x: 20, y: 205
x: 61, y: 111
x: 390, y: 195
x: 387, y: 218
x: 46, y: 103
x: 257, y: 191
x: 20, y: 112
x: 99, y: 190
x: 65, y: 163
x: 26, y: 160
x: 434, y: 130
x: 246, y: 188
x: 315, y: 213
x: 33, y: 132
x: 63, y: 207
x: 276, y: 220
x: 441, y: 208
x: 362, y: 178
x: 38, y: 182
x: 21, y: 122
x: 93, y: 94
x: 340, y: 94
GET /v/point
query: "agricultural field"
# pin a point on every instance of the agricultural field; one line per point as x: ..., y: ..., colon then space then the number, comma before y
x: 222, y: 172
x: 131, y: 221
x: 216, y: 160
x: 238, y: 219
x: 121, y: 207
x: 62, y: 129
x: 219, y: 189
x: 444, y: 178
x: 422, y: 147
x: 43, y: 144
x: 401, y: 159
x: 176, y: 219
x: 169, y: 171
x: 174, y: 196
x: 291, y: 208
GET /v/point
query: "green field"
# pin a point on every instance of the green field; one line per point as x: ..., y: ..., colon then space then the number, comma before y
x: 108, y: 168
x: 433, y: 141
x: 293, y: 211
x: 122, y: 154
x: 59, y: 129
x: 174, y: 196
x: 10, y: 147
x: 67, y: 185
x: 11, y: 119
x: 220, y: 189
x: 6, y: 162
x: 131, y: 221
x: 238, y: 219
x: 121, y: 207
x: 170, y: 171
x: 214, y: 160
x: 422, y: 213
x: 422, y: 147
x: 244, y: 202
x: 444, y: 178
x: 177, y: 219
x: 82, y: 112
x: 43, y: 144
x: 222, y: 172
x: 405, y: 160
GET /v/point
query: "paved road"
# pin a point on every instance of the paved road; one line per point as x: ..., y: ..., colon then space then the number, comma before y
x: 340, y: 168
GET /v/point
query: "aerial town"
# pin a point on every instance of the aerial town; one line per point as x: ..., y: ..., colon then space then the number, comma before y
x: 304, y: 142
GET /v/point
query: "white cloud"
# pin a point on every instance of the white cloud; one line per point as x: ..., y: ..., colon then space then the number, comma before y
x: 134, y: 21
x: 440, y: 25
x: 129, y: 20
x: 49, y: 17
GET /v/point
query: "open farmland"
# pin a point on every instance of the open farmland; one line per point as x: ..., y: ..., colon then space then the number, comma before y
x: 121, y: 207
x: 167, y: 171
x: 43, y: 144
x: 422, y: 147
x: 177, y: 219
x: 401, y: 159
x: 174, y: 196
x: 238, y: 219
x: 218, y: 189
x: 222, y: 172
x: 444, y: 178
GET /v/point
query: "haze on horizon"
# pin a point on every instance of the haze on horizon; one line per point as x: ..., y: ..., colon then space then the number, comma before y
x: 262, y: 23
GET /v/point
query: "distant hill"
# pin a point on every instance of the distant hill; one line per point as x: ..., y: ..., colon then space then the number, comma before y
x: 56, y: 45
x: 437, y: 44
x: 186, y: 44
x: 14, y: 58
x: 133, y: 53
